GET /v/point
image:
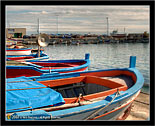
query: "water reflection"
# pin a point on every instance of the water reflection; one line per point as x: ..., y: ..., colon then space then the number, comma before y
x: 105, y: 56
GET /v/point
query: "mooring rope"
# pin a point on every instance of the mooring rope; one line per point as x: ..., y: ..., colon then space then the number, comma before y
x: 103, y: 107
x: 78, y: 100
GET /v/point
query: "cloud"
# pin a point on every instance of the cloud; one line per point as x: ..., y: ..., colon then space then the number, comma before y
x: 80, y: 18
x: 34, y: 12
x: 37, y: 13
x: 44, y: 12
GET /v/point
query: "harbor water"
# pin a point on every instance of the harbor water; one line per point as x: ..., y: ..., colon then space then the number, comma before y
x: 105, y: 56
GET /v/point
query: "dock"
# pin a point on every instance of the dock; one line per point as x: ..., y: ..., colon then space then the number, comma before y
x: 140, y: 108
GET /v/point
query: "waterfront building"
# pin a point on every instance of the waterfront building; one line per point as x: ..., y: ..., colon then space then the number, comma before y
x: 15, y: 32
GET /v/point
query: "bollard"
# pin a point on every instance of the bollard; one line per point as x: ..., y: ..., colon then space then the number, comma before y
x: 87, y: 56
x: 132, y: 62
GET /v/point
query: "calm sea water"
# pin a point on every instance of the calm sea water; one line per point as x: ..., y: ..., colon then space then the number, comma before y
x: 104, y: 56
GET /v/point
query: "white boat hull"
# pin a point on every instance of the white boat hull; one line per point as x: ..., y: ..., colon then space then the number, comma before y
x: 18, y: 52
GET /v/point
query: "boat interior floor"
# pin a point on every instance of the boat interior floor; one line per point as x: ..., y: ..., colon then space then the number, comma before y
x: 73, y: 90
x: 123, y: 79
x: 90, y: 89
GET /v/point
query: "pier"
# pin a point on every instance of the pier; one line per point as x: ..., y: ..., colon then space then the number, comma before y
x: 85, y: 40
x: 114, y: 37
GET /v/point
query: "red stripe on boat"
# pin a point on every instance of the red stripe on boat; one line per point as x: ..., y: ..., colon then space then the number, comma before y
x: 20, y: 50
x: 18, y: 58
x: 11, y: 73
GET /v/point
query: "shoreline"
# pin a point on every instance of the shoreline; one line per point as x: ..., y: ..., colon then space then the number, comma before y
x: 140, y: 108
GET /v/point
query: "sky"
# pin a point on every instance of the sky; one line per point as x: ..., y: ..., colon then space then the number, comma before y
x: 79, y: 19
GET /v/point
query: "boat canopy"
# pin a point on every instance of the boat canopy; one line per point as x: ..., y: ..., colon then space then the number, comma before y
x: 29, y: 95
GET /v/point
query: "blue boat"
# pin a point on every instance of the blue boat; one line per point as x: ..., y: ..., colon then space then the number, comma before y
x: 23, y: 53
x: 40, y: 68
x: 28, y: 57
x: 90, y: 95
x: 18, y: 51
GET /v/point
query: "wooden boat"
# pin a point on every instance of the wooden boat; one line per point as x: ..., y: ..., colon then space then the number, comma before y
x: 10, y: 43
x: 90, y: 95
x: 37, y: 68
x: 30, y: 58
x: 23, y: 53
x: 18, y: 50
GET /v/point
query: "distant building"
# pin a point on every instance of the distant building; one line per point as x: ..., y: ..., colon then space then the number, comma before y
x: 15, y: 32
x: 135, y: 36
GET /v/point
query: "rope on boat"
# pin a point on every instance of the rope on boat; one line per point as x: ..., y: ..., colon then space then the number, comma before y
x: 80, y: 96
x: 103, y: 107
x: 78, y: 100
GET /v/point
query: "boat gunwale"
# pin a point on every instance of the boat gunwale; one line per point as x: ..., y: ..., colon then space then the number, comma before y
x: 113, y: 86
x: 85, y: 65
x: 43, y: 56
x: 124, y: 94
x: 18, y: 49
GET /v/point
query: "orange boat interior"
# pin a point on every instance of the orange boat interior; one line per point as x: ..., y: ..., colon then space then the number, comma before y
x: 90, y: 87
x: 58, y: 65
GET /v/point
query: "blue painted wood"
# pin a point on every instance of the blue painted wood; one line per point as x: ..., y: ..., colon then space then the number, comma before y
x: 18, y: 49
x: 36, y: 58
x: 132, y: 61
x: 70, y: 69
x: 87, y: 55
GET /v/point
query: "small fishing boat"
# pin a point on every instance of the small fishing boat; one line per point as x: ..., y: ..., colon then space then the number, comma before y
x: 21, y: 52
x: 10, y: 43
x: 30, y: 57
x: 18, y: 50
x: 37, y: 68
x: 90, y: 95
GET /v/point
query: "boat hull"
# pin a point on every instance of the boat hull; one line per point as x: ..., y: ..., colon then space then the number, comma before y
x: 28, y: 72
x: 29, y: 58
x: 112, y: 112
x: 18, y: 51
x: 107, y: 101
x: 37, y: 68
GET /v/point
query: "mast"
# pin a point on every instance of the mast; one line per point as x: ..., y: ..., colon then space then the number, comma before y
x: 57, y: 16
x: 38, y: 26
x: 38, y: 38
x: 107, y: 27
